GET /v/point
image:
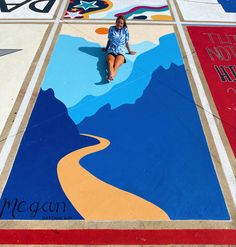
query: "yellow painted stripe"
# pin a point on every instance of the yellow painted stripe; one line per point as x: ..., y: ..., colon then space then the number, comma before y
x: 162, y: 18
x: 97, y: 200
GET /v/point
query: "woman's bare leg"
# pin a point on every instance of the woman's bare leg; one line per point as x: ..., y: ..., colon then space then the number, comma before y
x: 118, y: 61
x: 110, y: 65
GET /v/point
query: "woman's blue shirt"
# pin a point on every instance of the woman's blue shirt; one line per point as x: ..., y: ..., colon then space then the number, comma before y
x: 118, y: 39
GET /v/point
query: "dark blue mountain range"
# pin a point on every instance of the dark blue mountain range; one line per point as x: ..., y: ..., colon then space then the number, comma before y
x: 158, y: 149
x: 33, y: 190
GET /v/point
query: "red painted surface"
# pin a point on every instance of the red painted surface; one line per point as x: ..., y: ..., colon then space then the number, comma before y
x: 216, y: 50
x: 124, y: 237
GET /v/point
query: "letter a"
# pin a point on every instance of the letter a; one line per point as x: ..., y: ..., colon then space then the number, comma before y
x: 46, y: 9
x: 4, y: 5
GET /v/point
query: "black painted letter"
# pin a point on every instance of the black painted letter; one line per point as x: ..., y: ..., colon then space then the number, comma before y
x: 46, y: 9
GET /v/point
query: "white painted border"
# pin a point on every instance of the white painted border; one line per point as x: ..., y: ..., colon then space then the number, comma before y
x: 25, y: 12
x: 23, y: 107
x: 228, y: 172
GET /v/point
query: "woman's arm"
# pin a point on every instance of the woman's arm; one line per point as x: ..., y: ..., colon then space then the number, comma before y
x: 128, y: 48
x: 107, y: 46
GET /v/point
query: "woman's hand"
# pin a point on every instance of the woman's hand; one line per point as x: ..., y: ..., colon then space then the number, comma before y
x: 132, y: 52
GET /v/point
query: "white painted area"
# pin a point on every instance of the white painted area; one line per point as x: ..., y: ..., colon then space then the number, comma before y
x: 203, y: 1
x: 228, y: 172
x: 14, y: 66
x: 19, y: 117
x: 24, y: 12
x: 204, y: 10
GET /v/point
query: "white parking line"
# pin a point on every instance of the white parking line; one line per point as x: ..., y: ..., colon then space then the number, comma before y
x: 228, y: 172
x: 15, y: 127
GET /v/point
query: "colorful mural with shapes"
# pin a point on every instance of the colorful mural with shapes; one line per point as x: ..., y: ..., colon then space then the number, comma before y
x: 132, y: 140
x: 215, y: 47
x: 111, y: 9
x: 28, y: 9
x: 83, y: 9
x: 137, y: 11
x: 207, y: 10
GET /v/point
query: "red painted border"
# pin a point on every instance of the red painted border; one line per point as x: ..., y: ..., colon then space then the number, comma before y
x: 124, y: 237
x: 214, y: 47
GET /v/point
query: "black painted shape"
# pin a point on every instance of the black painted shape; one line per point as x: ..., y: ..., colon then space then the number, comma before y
x: 140, y: 17
x: 4, y: 52
x: 4, y: 7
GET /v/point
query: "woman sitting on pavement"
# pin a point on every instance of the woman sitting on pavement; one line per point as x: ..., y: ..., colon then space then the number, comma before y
x: 118, y: 37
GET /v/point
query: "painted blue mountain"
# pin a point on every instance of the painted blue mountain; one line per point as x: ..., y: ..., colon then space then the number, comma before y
x: 228, y: 5
x: 33, y: 190
x: 158, y: 149
x: 132, y: 88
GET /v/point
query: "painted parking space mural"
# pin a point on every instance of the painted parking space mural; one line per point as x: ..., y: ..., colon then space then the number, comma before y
x: 133, y: 149
x: 15, y: 9
x: 216, y: 45
x: 16, y: 55
x: 110, y: 9
x: 208, y: 10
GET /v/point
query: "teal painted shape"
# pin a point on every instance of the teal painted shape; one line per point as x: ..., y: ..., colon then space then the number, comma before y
x: 143, y: 10
x: 86, y: 5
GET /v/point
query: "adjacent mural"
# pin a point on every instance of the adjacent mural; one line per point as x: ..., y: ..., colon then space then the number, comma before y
x: 15, y: 9
x: 208, y: 10
x: 110, y: 9
x: 215, y: 47
x: 133, y: 149
x: 16, y: 55
x: 228, y: 5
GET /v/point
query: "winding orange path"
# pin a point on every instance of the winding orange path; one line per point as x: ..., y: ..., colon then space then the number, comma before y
x: 97, y: 200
